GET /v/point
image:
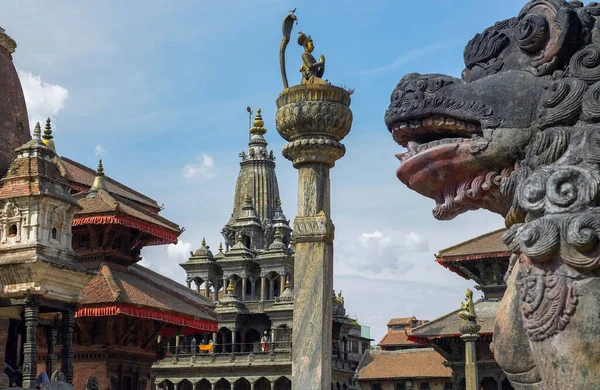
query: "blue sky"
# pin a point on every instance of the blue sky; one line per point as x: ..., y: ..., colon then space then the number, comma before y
x: 159, y: 90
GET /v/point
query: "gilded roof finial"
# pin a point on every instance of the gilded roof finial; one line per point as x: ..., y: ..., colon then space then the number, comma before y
x: 278, y: 202
x: 99, y: 180
x: 37, y: 131
x: 48, y: 135
x: 203, y: 241
x: 220, y: 247
x: 230, y: 288
x: 258, y: 127
x: 287, y: 281
x: 248, y: 199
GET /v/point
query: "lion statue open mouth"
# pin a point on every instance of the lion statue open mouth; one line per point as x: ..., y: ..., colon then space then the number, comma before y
x: 519, y: 135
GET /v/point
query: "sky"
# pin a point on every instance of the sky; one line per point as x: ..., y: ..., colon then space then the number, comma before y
x: 159, y: 90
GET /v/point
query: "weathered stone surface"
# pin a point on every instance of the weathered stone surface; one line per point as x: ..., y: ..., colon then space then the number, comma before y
x: 519, y: 136
x: 314, y: 118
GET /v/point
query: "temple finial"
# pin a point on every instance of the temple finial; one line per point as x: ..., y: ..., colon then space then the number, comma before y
x: 203, y: 241
x: 258, y: 126
x: 48, y: 135
x: 220, y: 247
x: 99, y: 180
x: 230, y: 288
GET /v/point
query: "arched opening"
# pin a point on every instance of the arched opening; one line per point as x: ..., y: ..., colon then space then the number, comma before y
x: 283, y: 383
x: 262, y: 384
x: 246, y: 241
x: 223, y: 384
x: 185, y: 385
x: 242, y: 384
x: 12, y: 230
x: 506, y: 385
x: 249, y: 296
x: 223, y: 341
x: 166, y: 385
x: 252, y: 341
x: 338, y: 386
x: 54, y: 233
x: 489, y: 384
x: 203, y: 385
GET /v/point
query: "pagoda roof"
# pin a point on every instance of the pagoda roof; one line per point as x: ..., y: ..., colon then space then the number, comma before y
x: 487, y: 245
x: 401, y: 321
x: 137, y: 291
x: 449, y: 324
x: 396, y: 338
x: 107, y: 208
x: 81, y: 178
x: 402, y: 364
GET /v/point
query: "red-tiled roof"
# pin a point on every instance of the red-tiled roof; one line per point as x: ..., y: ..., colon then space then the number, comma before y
x: 489, y: 244
x: 82, y: 178
x: 402, y: 364
x: 401, y: 321
x: 395, y: 338
x: 123, y: 290
x: 95, y: 210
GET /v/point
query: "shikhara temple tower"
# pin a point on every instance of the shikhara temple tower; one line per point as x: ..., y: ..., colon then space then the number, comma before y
x: 251, y: 279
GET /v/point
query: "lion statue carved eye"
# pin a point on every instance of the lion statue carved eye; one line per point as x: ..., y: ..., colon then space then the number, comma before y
x: 534, y: 33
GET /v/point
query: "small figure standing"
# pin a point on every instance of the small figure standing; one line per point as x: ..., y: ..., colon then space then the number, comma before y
x: 264, y: 342
x: 311, y: 69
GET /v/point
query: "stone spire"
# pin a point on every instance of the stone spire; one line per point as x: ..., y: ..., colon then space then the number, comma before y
x: 14, y: 122
x: 256, y: 193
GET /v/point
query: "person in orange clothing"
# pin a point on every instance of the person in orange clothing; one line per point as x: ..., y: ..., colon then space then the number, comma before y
x: 264, y: 342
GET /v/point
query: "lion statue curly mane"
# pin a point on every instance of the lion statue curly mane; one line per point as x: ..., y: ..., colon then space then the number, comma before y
x: 519, y: 135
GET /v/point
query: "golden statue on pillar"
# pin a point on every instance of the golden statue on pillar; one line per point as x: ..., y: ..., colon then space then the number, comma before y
x: 311, y: 69
x: 468, y: 310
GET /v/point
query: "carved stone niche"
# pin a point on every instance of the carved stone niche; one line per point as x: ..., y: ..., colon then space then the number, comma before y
x: 10, y: 221
x: 57, y: 223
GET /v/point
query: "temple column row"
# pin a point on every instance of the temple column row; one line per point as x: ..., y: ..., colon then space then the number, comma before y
x: 30, y: 350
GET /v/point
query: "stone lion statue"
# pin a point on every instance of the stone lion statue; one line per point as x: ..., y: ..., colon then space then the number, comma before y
x: 519, y: 134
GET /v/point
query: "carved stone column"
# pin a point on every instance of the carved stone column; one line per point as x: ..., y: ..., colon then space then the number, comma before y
x: 263, y: 288
x: 233, y: 332
x: 469, y: 336
x: 68, y: 354
x: 216, y: 291
x: 314, y: 118
x: 30, y: 350
x: 50, y: 357
x: 243, y: 289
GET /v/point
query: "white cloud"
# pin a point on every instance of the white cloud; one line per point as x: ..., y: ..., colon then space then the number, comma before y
x: 166, y: 259
x: 42, y: 98
x: 99, y: 151
x: 377, y: 252
x: 203, y: 170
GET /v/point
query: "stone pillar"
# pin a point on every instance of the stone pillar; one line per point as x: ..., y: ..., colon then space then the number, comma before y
x: 271, y: 289
x: 189, y: 283
x: 197, y: 287
x: 233, y: 333
x: 252, y: 384
x: 215, y: 291
x: 273, y: 384
x: 243, y: 289
x: 30, y: 350
x: 263, y: 288
x: 273, y: 339
x: 470, y: 335
x: 68, y: 354
x: 50, y: 357
x: 177, y: 344
x: 213, y: 386
x: 281, y: 284
x: 4, y: 324
x: 314, y: 118
x: 206, y: 289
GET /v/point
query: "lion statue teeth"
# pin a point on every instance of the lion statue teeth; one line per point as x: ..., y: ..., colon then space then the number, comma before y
x: 519, y: 135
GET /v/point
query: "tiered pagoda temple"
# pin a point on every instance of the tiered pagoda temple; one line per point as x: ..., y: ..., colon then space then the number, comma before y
x: 485, y: 260
x: 251, y: 280
x: 70, y: 285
